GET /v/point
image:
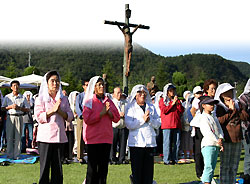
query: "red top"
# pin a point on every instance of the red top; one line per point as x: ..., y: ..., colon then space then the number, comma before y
x: 97, y: 130
x: 171, y: 115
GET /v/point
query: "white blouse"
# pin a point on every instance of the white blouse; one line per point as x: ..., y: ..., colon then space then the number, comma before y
x: 141, y: 133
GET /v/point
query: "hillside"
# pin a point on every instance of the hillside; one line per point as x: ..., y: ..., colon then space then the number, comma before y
x: 84, y: 60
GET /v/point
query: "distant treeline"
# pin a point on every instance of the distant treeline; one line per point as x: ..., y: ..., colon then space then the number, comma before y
x: 77, y: 62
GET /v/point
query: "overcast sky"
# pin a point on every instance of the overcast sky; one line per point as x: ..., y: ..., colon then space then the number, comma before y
x: 176, y: 26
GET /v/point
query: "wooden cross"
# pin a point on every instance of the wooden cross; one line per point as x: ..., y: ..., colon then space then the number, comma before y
x: 128, y: 47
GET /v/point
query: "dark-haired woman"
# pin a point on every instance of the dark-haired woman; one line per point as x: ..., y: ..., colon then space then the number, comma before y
x: 209, y: 87
x: 52, y: 109
x: 98, y: 113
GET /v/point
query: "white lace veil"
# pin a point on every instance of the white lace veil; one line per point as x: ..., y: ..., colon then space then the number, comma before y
x: 88, y: 97
x: 44, y: 91
x: 137, y: 88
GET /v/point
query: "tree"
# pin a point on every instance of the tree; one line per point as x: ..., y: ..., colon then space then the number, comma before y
x: 31, y: 70
x: 112, y: 79
x: 180, y: 81
x: 162, y: 76
x: 69, y: 78
x: 11, y: 70
x: 179, y: 78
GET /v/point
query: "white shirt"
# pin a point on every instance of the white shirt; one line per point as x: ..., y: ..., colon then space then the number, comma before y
x: 120, y: 105
x: 141, y: 133
x: 195, y: 103
x: 210, y: 129
x: 20, y: 100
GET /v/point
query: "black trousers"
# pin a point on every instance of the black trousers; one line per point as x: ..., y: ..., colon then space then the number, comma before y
x: 50, y: 156
x: 159, y: 141
x: 98, y: 161
x: 120, y: 137
x: 68, y: 146
x: 142, y: 165
x: 199, y: 163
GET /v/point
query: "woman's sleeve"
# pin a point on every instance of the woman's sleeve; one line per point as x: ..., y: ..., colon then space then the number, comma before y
x: 165, y: 109
x: 223, y: 116
x: 132, y: 121
x: 154, y: 121
x: 115, y: 112
x: 90, y: 116
x: 180, y: 107
x: 69, y: 112
x: 40, y: 111
x: 221, y: 136
x: 244, y: 116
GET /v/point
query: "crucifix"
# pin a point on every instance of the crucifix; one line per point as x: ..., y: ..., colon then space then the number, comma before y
x: 128, y: 47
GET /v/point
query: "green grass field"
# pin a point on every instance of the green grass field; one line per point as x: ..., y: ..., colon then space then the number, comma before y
x: 118, y: 174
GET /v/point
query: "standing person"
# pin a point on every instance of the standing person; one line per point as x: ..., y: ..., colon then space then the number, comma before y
x: 230, y: 114
x: 79, y: 109
x: 120, y: 132
x: 52, y: 109
x: 98, y: 113
x: 159, y: 135
x: 186, y: 139
x: 245, y: 101
x: 15, y: 104
x: 152, y: 87
x: 196, y: 133
x: 67, y: 154
x: 28, y: 122
x: 2, y: 123
x: 197, y: 91
x: 72, y: 102
x: 141, y: 119
x: 212, y: 139
x: 171, y: 111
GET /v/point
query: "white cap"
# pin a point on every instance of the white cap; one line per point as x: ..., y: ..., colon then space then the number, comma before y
x: 197, y: 89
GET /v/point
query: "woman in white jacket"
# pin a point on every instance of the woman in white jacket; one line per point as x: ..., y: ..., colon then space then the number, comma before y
x: 141, y: 119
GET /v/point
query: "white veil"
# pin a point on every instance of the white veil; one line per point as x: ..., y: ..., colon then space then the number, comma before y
x: 166, y: 100
x: 88, y: 97
x: 31, y: 96
x: 137, y: 88
x: 72, y: 98
x: 222, y: 88
x: 44, y: 91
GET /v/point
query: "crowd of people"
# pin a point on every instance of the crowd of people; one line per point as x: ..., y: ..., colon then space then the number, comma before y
x: 128, y: 129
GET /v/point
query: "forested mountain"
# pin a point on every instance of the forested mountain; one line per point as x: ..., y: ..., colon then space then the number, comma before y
x: 78, y: 61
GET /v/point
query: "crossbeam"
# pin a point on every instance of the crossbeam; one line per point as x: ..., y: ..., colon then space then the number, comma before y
x: 123, y: 24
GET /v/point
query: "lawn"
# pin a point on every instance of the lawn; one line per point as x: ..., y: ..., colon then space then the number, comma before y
x: 118, y: 174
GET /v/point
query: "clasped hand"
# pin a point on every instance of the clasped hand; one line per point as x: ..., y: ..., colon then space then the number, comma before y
x: 146, y: 116
x: 15, y: 106
x: 175, y: 100
x: 106, y: 110
x: 56, y: 107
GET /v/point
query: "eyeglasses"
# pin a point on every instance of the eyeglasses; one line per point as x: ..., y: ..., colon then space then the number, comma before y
x: 142, y: 93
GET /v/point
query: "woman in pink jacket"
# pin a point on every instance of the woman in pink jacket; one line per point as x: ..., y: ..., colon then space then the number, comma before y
x: 52, y: 109
x: 98, y: 113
